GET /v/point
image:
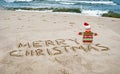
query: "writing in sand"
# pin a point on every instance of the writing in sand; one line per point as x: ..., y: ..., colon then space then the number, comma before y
x: 53, y: 47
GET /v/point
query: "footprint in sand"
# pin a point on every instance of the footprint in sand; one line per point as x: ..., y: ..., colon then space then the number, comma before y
x: 113, y: 20
x: 28, y: 20
x: 100, y: 27
x: 54, y: 15
x: 71, y: 24
x: 54, y: 22
x: 64, y: 21
x: 64, y: 16
x: 4, y: 28
x: 44, y: 20
x: 33, y: 15
x: 6, y: 18
x: 63, y: 71
x: 88, y: 18
x: 43, y: 15
x: 19, y: 18
x: 22, y: 26
x: 13, y: 15
x: 102, y: 24
x: 22, y: 15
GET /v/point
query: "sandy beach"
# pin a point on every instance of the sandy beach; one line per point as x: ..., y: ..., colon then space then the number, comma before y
x: 48, y: 43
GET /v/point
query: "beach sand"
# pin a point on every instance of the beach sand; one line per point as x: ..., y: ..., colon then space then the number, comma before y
x: 45, y: 33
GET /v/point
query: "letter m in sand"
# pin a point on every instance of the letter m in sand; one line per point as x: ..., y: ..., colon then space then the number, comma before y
x: 24, y: 45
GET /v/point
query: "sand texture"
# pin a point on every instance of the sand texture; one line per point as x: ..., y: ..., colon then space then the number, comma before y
x: 48, y: 43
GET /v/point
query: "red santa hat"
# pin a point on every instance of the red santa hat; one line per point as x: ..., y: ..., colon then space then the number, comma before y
x: 87, y: 26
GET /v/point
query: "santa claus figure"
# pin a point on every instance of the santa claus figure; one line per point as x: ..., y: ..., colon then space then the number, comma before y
x: 88, y: 34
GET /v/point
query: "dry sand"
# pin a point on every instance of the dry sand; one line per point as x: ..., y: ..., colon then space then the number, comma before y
x: 23, y: 27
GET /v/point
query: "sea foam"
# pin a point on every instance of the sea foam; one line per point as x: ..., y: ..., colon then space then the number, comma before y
x: 18, y: 0
x: 99, y: 2
x: 93, y: 12
x: 89, y: 2
x: 67, y: 3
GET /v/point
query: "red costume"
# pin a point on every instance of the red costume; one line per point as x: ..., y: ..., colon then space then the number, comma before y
x: 87, y: 35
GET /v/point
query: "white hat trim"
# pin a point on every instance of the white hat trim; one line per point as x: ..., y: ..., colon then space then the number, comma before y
x: 87, y: 26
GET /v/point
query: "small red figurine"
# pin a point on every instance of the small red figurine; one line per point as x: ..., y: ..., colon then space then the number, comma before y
x: 88, y: 34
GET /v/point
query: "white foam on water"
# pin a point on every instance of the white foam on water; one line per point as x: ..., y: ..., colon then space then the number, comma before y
x: 9, y: 0
x: 67, y: 3
x: 93, y: 12
x: 18, y: 0
x: 99, y: 2
x: 88, y: 2
x: 21, y: 10
x: 84, y: 12
x: 72, y: 2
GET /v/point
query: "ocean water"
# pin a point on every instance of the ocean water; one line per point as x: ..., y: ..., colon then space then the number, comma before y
x: 89, y: 7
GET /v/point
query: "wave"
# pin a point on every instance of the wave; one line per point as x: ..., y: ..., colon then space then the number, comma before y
x: 84, y: 12
x: 18, y: 0
x: 100, y: 2
x: 89, y: 2
x: 67, y: 3
x: 94, y: 12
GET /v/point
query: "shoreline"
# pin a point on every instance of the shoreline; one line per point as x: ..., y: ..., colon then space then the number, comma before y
x: 99, y: 13
x: 63, y: 10
x: 96, y: 13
